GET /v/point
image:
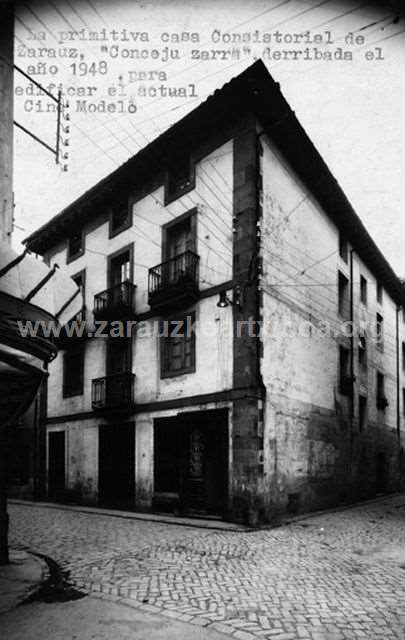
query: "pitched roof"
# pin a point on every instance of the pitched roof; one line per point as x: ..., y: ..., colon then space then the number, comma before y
x: 254, y: 90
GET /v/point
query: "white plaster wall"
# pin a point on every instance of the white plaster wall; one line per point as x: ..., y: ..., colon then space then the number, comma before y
x: 301, y: 263
x: 213, y: 198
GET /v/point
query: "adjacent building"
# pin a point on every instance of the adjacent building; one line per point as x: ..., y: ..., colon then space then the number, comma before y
x: 248, y: 353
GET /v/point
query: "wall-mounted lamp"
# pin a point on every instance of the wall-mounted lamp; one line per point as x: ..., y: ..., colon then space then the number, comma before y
x: 224, y: 301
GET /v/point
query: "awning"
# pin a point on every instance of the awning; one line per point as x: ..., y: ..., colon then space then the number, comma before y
x: 33, y: 298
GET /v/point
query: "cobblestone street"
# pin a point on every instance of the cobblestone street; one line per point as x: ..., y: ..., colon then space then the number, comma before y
x: 333, y: 576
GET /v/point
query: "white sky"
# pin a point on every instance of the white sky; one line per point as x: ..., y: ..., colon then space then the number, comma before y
x: 352, y: 111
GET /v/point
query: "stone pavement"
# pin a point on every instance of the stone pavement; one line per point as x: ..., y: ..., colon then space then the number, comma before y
x: 334, y: 576
x: 92, y: 618
x: 20, y: 578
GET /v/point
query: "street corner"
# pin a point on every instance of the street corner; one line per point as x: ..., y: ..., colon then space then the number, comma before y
x: 21, y: 578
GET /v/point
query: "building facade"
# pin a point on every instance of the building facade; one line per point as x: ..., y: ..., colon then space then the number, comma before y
x: 247, y: 353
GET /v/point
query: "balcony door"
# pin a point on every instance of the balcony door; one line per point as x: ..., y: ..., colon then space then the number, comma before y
x: 120, y: 269
x: 178, y: 237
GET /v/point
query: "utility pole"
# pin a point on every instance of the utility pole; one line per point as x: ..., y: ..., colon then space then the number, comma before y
x: 6, y: 210
x: 6, y: 118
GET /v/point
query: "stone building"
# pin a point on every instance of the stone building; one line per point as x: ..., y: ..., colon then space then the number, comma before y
x: 289, y: 395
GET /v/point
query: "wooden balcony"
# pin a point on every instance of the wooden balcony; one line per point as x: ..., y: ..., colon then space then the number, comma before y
x: 114, y: 393
x: 174, y: 283
x: 116, y: 303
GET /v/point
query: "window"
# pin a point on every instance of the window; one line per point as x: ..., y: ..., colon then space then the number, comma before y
x: 120, y: 268
x: 362, y: 351
x: 345, y: 379
x: 119, y: 355
x: 73, y: 366
x: 180, y: 178
x: 343, y: 293
x: 379, y: 293
x: 177, y: 353
x: 363, y: 290
x: 75, y: 246
x: 362, y: 412
x: 379, y: 331
x: 343, y: 247
x: 403, y: 356
x: 403, y: 402
x: 120, y: 217
x: 381, y: 400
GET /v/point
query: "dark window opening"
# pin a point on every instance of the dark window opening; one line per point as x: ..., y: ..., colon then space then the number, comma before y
x: 343, y: 248
x: 363, y: 290
x: 362, y: 351
x: 75, y: 246
x: 119, y: 355
x: 379, y: 331
x: 381, y: 400
x: 120, y: 269
x: 73, y: 367
x: 343, y: 295
x: 345, y: 379
x: 120, y: 217
x: 180, y: 177
x: 362, y: 412
x: 379, y: 293
x: 177, y: 346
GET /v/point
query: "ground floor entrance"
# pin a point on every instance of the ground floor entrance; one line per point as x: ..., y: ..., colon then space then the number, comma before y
x: 116, y: 468
x: 56, y: 465
x: 191, y: 462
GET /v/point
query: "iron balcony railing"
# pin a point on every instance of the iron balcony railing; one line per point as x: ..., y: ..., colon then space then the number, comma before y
x: 115, y: 391
x: 179, y: 271
x: 115, y: 301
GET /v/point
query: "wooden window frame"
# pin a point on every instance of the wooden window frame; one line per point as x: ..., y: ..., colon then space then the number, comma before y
x: 110, y: 345
x: 110, y: 258
x: 192, y: 214
x: 343, y: 248
x: 165, y: 345
x: 126, y: 225
x: 169, y: 195
x: 71, y: 257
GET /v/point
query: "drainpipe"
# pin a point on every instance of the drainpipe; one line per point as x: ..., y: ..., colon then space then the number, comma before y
x: 351, y: 416
x: 351, y: 342
x: 398, y: 379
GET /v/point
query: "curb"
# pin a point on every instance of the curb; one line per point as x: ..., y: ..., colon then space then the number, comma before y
x: 29, y: 591
x: 194, y: 523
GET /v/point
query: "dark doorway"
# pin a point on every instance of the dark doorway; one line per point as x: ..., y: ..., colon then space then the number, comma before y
x: 380, y: 473
x: 116, y: 483
x: 191, y: 462
x: 56, y: 465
